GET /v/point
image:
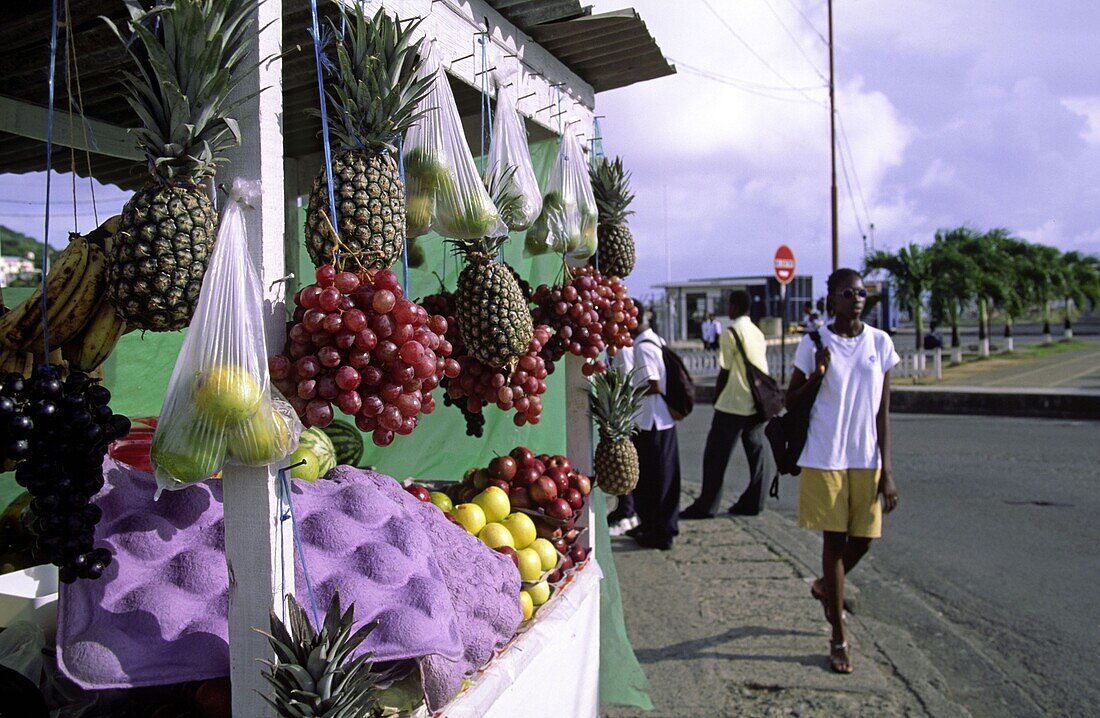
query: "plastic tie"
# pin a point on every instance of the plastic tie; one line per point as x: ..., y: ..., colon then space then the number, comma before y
x: 316, y: 33
x: 245, y: 192
x: 49, y: 169
x: 285, y: 484
x: 405, y: 234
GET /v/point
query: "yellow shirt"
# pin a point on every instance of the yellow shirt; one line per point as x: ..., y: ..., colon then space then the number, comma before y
x: 736, y: 398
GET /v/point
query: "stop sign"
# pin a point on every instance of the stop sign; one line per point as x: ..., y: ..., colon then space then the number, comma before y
x: 784, y: 264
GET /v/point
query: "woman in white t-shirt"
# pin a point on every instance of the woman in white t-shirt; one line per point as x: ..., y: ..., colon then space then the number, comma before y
x: 845, y: 464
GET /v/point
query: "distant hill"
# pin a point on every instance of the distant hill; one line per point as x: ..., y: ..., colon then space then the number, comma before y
x: 17, y: 244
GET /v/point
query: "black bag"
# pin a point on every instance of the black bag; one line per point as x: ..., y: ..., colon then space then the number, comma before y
x: 767, y: 395
x: 679, y: 387
x: 787, y: 433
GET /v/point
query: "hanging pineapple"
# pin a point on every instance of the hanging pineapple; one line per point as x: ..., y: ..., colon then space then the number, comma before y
x: 493, y: 315
x: 372, y: 97
x: 611, y: 185
x: 614, y: 400
x: 181, y: 91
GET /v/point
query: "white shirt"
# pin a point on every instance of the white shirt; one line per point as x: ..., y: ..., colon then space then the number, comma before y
x: 645, y: 356
x: 711, y: 329
x: 843, y: 433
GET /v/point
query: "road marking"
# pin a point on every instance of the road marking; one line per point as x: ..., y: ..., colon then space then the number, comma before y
x: 1046, y: 368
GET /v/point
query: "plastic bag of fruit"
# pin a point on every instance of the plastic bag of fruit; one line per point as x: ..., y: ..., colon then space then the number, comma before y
x: 220, y: 406
x: 509, y: 163
x: 443, y: 190
x: 567, y: 223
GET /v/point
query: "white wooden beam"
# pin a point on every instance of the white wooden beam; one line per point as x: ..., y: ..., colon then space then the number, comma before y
x: 258, y: 546
x: 29, y: 120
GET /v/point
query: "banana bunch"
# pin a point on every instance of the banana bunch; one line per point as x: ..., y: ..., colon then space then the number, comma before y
x: 80, y: 320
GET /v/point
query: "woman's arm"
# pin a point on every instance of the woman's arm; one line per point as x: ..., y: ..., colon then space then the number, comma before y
x: 886, y: 487
x: 800, y: 384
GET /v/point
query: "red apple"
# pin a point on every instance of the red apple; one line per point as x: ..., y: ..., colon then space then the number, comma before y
x: 578, y: 554
x: 543, y: 529
x: 519, y: 498
x: 543, y: 490
x: 570, y: 535
x: 539, y: 465
x: 468, y: 477
x: 559, y: 476
x: 583, y: 484
x: 526, y: 476
x: 502, y: 467
x: 558, y: 509
x: 543, y: 457
x: 574, y: 498
x: 453, y: 520
x: 510, y: 552
x: 566, y: 563
x: 560, y: 462
x: 560, y: 545
x: 569, y: 523
x: 420, y: 492
x: 522, y: 456
x: 481, y: 479
x: 500, y: 484
x: 554, y: 576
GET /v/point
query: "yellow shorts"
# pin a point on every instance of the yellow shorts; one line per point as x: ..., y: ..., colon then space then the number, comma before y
x: 841, y: 500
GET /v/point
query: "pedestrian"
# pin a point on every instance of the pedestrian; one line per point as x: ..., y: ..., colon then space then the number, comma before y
x: 736, y: 416
x: 807, y: 316
x: 711, y: 328
x: 815, y: 322
x: 846, y: 478
x: 657, y: 495
x: 933, y: 339
x: 624, y: 516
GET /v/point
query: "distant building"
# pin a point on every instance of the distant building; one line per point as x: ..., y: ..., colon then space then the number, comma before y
x: 686, y: 304
x: 12, y: 268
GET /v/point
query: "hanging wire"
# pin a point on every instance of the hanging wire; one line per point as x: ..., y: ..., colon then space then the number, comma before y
x: 49, y: 170
x: 315, y: 30
x: 405, y: 234
x: 285, y: 494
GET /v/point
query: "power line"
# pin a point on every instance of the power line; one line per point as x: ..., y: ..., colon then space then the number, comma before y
x: 794, y: 39
x: 713, y: 77
x: 846, y: 145
x: 808, y: 22
x: 745, y: 83
x: 851, y: 198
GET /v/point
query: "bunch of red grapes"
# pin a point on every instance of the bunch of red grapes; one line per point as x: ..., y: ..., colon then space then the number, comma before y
x: 588, y: 315
x: 357, y: 343
x: 476, y: 384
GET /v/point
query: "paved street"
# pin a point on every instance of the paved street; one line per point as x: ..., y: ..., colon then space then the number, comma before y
x: 990, y: 562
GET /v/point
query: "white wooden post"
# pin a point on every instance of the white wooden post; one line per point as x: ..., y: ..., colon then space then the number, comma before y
x: 254, y: 535
x: 937, y: 363
x: 1010, y: 344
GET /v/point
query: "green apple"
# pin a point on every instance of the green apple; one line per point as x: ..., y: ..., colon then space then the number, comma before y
x: 530, y: 565
x: 540, y: 592
x: 190, y: 453
x: 443, y: 501
x: 470, y: 516
x: 522, y: 528
x: 309, y: 466
x: 495, y: 536
x: 226, y: 394
x: 260, y: 440
x: 526, y: 604
x: 546, y: 553
x: 494, y: 502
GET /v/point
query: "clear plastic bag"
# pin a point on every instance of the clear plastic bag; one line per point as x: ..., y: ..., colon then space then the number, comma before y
x: 567, y: 223
x: 509, y: 164
x: 220, y: 406
x: 443, y: 190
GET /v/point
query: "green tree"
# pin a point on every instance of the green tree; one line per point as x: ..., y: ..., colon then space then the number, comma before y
x: 1081, y: 283
x: 910, y: 273
x: 1019, y: 293
x: 1043, y: 272
x: 952, y: 284
x: 992, y: 276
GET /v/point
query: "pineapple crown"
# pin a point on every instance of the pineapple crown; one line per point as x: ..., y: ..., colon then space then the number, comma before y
x: 374, y: 86
x: 190, y: 56
x: 614, y: 400
x: 611, y: 187
x: 313, y: 673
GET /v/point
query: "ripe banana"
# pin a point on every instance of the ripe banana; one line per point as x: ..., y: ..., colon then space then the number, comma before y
x: 23, y: 324
x: 16, y: 361
x: 73, y: 313
x: 97, y: 340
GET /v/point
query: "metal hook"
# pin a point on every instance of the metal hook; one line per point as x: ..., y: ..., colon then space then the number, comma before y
x: 484, y: 71
x: 460, y: 59
x: 529, y: 94
x: 571, y: 122
x: 287, y: 278
x: 548, y: 107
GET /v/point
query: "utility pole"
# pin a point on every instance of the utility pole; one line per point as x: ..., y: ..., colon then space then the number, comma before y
x: 832, y: 137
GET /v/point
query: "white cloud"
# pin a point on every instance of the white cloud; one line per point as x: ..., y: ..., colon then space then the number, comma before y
x: 938, y: 174
x: 1088, y: 107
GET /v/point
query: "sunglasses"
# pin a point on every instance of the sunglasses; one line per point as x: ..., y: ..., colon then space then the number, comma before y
x: 851, y: 293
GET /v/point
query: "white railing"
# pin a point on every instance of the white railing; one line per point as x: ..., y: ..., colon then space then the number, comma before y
x: 703, y: 363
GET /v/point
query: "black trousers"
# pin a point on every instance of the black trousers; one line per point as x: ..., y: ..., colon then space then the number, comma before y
x: 724, y: 432
x: 657, y: 496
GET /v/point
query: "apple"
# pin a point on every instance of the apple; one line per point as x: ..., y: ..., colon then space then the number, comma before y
x: 540, y: 592
x: 539, y: 466
x: 509, y: 552
x: 522, y: 456
x: 554, y: 576
x: 574, y: 498
x: 559, y: 462
x: 526, y: 605
x: 560, y: 545
x: 503, y: 467
x: 522, y: 528
x: 543, y: 490
x: 543, y: 458
x: 468, y: 477
x: 443, y: 501
x: 471, y: 517
x: 453, y: 520
x: 519, y: 498
x: 559, y: 476
x: 526, y: 476
x: 500, y: 484
x: 577, y: 553
x: 226, y: 395
x: 569, y: 524
x: 546, y: 552
x: 495, y: 536
x: 558, y: 509
x: 494, y: 502
x: 420, y: 492
x: 543, y: 529
x: 530, y: 565
x: 582, y: 483
x: 481, y: 479
x: 571, y: 535
x: 466, y: 494
x: 566, y: 563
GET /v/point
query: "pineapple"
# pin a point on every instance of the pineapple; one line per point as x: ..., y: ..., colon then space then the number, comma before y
x: 491, y: 306
x: 181, y: 91
x: 372, y: 98
x: 313, y: 673
x: 611, y: 186
x: 615, y: 399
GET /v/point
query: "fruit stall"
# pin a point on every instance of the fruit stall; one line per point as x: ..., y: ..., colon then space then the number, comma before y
x: 314, y: 416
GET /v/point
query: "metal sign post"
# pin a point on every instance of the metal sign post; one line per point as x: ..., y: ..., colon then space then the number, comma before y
x: 783, y: 264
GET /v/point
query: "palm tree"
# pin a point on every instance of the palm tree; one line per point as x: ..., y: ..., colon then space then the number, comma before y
x: 1081, y: 284
x: 952, y: 285
x: 1043, y: 272
x: 1019, y: 294
x: 910, y: 272
x: 991, y: 278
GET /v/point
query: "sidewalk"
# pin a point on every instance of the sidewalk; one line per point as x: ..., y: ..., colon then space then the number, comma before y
x: 724, y: 626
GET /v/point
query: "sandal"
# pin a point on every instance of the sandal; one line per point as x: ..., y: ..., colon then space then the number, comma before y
x: 840, y: 659
x: 820, y: 597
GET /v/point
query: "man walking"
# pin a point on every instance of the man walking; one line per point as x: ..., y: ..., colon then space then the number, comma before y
x: 711, y: 328
x: 735, y: 415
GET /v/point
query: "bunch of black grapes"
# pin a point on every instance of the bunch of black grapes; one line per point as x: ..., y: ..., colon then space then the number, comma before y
x: 56, y: 433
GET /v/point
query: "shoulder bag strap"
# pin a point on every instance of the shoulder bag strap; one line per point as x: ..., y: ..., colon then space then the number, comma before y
x: 744, y: 356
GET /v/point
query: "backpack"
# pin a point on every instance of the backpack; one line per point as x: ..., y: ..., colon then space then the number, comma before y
x: 787, y: 433
x: 679, y: 387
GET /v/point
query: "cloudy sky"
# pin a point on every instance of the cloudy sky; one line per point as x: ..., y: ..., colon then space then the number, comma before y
x: 981, y: 112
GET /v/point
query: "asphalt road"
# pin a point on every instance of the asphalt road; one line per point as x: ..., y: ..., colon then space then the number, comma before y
x: 992, y: 559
